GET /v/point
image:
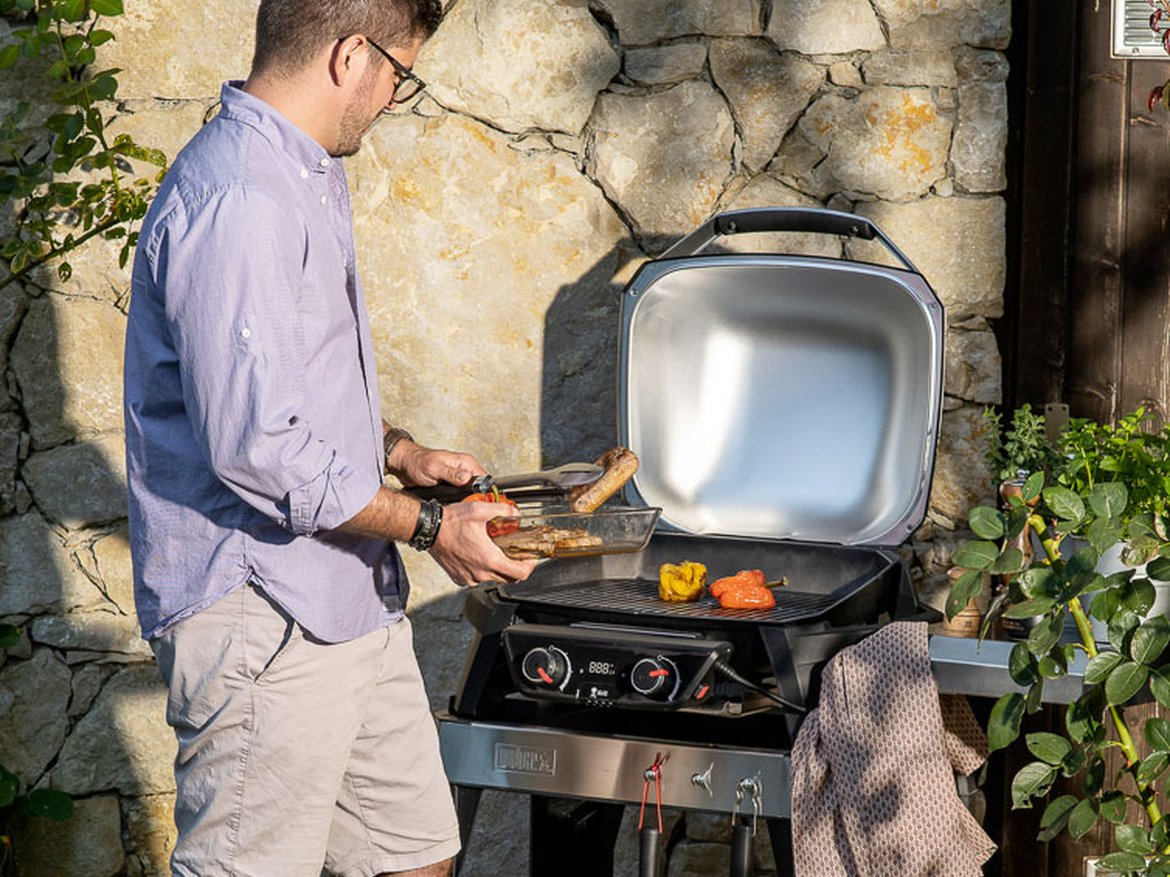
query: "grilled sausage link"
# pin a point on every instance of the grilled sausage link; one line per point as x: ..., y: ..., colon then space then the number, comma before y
x: 620, y: 464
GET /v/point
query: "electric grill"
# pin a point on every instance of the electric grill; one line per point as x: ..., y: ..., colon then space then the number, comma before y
x: 785, y: 410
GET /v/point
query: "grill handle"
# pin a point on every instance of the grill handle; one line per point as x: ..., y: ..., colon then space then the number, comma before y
x: 808, y: 220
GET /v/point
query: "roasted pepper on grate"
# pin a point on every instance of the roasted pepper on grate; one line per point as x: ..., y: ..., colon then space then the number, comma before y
x: 743, y: 577
x: 747, y: 589
x: 681, y: 582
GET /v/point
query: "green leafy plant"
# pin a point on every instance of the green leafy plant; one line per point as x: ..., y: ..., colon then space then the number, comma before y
x: 67, y: 180
x: 1021, y: 447
x: 1132, y: 452
x: 42, y: 803
x: 1103, y: 492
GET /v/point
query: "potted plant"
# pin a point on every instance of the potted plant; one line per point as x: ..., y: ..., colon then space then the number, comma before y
x: 1014, y: 452
x: 1021, y: 448
x: 1105, y: 491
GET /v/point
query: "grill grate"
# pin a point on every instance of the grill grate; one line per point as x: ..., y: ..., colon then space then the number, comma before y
x: 639, y: 597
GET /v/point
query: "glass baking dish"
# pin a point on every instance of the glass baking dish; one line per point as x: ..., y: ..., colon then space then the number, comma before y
x: 573, y: 534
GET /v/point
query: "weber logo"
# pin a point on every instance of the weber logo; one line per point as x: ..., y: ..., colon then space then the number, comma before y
x: 525, y: 759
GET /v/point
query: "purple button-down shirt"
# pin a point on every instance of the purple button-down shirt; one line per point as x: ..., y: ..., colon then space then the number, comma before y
x: 253, y: 425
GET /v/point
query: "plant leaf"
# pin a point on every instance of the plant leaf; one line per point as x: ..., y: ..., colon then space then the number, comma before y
x: 1010, y: 561
x: 1022, y: 665
x: 9, y: 636
x: 966, y: 586
x: 49, y: 803
x: 1064, y: 503
x: 1094, y: 776
x: 1138, y: 595
x: 1158, y: 733
x: 1105, y: 605
x: 1108, y: 498
x: 1152, y: 766
x: 1160, y: 686
x: 1003, y: 725
x: 1056, y: 817
x: 1150, y: 640
x: 1121, y: 862
x: 1046, y: 634
x: 1121, y: 628
x: 1124, y: 682
x: 1159, y: 569
x: 1039, y: 581
x: 975, y: 555
x: 9, y: 786
x: 986, y: 523
x: 1099, y: 667
x: 1083, y: 817
x: 1030, y: 782
x: 1113, y: 806
x: 1030, y: 608
x: 1133, y: 839
x: 1049, y: 748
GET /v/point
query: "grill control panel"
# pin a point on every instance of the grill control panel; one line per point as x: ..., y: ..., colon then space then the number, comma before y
x: 607, y: 666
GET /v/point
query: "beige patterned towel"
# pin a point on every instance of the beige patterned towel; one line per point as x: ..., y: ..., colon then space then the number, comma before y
x: 873, y: 792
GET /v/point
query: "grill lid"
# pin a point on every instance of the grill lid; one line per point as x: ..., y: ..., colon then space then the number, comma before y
x: 782, y: 396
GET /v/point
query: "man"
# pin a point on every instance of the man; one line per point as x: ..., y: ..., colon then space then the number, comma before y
x: 266, y: 575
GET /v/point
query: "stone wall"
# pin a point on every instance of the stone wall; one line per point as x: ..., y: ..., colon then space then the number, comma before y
x: 562, y: 143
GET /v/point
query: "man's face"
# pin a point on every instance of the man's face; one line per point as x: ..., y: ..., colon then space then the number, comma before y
x: 372, y: 95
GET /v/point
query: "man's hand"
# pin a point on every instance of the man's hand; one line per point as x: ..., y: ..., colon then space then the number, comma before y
x: 465, y: 551
x: 416, y: 466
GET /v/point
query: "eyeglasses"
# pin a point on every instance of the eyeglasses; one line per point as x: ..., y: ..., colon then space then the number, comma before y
x: 409, y: 86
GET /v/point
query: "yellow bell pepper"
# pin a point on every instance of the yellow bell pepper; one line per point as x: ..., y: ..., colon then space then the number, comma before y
x: 681, y: 582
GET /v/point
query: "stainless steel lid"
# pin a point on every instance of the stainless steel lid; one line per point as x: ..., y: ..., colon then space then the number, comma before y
x: 782, y: 396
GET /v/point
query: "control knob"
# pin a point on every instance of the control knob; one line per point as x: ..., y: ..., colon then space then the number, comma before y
x: 654, y: 676
x: 546, y: 666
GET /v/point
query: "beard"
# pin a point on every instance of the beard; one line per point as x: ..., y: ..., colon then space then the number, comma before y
x: 356, y: 119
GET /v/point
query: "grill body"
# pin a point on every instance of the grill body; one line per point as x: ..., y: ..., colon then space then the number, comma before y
x: 785, y: 410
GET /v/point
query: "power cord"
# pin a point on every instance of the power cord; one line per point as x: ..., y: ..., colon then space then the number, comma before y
x: 727, y: 671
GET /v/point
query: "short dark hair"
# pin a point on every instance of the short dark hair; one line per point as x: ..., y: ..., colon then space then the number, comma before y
x: 290, y: 32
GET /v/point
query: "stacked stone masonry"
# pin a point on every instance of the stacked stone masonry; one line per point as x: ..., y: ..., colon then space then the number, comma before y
x: 563, y: 142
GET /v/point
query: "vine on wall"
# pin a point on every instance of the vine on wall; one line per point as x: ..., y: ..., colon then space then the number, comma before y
x: 66, y: 179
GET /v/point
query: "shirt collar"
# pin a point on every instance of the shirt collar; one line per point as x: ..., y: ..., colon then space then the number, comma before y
x: 240, y: 106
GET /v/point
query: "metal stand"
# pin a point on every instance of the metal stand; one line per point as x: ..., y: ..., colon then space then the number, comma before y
x: 466, y: 804
x: 648, y: 852
x: 572, y: 838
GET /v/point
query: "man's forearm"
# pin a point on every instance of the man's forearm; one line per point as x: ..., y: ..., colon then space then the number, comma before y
x: 390, y: 515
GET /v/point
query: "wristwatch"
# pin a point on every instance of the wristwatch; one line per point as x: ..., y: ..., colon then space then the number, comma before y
x: 392, y: 437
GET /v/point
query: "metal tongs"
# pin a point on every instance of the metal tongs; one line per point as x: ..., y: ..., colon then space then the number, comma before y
x: 530, y: 487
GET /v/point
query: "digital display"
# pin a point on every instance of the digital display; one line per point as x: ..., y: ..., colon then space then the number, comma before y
x: 601, y: 668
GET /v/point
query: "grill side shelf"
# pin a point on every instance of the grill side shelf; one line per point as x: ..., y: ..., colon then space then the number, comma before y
x: 980, y: 669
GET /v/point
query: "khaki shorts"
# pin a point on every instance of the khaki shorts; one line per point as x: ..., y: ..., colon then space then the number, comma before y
x: 295, y: 754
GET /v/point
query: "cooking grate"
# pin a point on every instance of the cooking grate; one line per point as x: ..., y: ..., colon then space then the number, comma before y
x: 636, y: 596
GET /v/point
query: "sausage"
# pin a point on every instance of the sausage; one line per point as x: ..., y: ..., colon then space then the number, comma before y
x: 620, y: 464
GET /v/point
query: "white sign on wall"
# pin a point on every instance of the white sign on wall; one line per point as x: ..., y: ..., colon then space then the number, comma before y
x: 1132, y: 36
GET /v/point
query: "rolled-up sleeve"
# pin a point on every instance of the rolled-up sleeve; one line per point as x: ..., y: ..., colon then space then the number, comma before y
x: 234, y: 274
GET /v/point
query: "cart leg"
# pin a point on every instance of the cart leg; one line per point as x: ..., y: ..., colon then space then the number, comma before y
x: 648, y: 852
x: 466, y: 804
x: 571, y: 838
x: 780, y: 833
x: 741, y: 848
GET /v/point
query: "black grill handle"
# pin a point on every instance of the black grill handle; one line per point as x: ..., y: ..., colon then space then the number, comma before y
x: 807, y: 220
